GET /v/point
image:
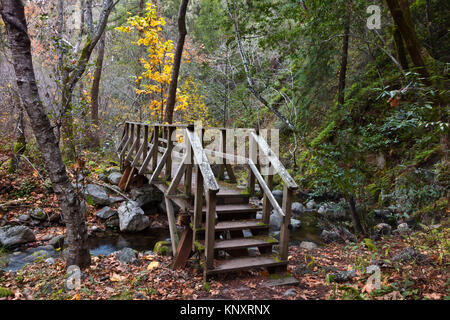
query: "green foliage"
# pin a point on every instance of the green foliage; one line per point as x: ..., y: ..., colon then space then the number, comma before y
x: 5, y: 292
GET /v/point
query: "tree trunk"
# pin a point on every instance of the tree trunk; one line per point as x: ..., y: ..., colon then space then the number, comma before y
x: 355, y: 217
x: 400, y: 48
x: 344, y: 58
x: 168, y: 116
x: 13, y: 15
x: 402, y: 18
x: 19, y: 145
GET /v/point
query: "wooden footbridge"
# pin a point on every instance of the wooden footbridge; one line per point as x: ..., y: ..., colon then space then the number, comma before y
x: 177, y: 160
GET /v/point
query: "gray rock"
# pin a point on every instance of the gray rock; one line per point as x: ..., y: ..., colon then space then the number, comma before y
x: 383, y: 229
x: 113, y: 169
x: 38, y: 214
x: 406, y: 254
x: 127, y: 255
x: 11, y: 236
x: 97, y: 194
x: 146, y: 194
x: 47, y: 237
x: 382, y: 213
x: 50, y: 261
x: 311, y: 204
x: 322, y: 209
x: 296, y: 224
x: 113, y: 223
x: 275, y: 221
x: 302, y: 269
x: 308, y: 245
x: 103, y: 177
x: 278, y: 195
x: 297, y: 208
x: 132, y: 218
x: 330, y: 236
x: 344, y: 276
x: 402, y: 228
x: 24, y: 217
x: 105, y: 213
x: 57, y: 242
x: 114, y: 178
x: 290, y: 293
x: 114, y: 199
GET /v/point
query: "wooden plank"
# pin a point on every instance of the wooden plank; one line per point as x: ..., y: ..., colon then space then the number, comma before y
x: 233, y: 208
x: 200, y: 158
x: 237, y: 264
x: 276, y: 163
x: 155, y: 143
x: 267, y: 208
x: 170, y: 145
x: 130, y: 138
x: 130, y: 177
x: 286, y: 281
x: 210, y: 228
x: 198, y: 202
x: 184, y: 249
x: 160, y: 166
x: 284, y: 231
x: 147, y: 159
x: 125, y: 176
x: 267, y: 191
x: 240, y: 225
x: 245, y: 243
x: 177, y: 177
x: 124, y: 138
x: 172, y: 224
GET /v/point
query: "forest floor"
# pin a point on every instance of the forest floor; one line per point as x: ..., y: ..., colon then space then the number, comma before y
x: 321, y: 273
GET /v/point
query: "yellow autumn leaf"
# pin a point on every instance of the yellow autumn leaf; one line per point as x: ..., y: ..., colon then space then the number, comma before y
x: 116, y: 277
x: 76, y: 297
x: 153, y: 265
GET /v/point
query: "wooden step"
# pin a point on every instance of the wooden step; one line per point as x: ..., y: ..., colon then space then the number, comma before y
x: 243, y: 263
x: 233, y: 211
x: 239, y: 243
x: 241, y: 225
x: 232, y: 197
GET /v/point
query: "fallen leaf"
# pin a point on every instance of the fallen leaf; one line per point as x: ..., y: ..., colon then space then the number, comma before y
x: 153, y: 265
x: 116, y: 278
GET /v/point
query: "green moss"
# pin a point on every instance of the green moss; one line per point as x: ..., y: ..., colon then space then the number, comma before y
x: 199, y: 247
x: 5, y: 292
x: 124, y: 295
x: 324, y: 134
x: 426, y: 155
x: 162, y: 248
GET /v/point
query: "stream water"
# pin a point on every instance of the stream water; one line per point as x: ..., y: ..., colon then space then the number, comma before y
x: 110, y: 241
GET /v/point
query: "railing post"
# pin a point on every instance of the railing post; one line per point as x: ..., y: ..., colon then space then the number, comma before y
x: 210, y: 228
x: 125, y: 135
x: 284, y: 234
x: 170, y: 132
x: 266, y: 203
x: 198, y: 203
x: 253, y: 157
x: 138, y: 138
x: 188, y: 173
x: 145, y: 142
x: 155, y: 143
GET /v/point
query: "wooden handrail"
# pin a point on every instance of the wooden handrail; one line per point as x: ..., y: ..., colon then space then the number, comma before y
x: 201, y: 159
x: 276, y: 163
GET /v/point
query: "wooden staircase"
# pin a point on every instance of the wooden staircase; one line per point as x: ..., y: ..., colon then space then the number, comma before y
x: 223, y: 225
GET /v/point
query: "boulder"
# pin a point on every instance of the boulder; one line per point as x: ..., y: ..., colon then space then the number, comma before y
x: 402, y: 228
x: 278, y: 195
x: 296, y: 224
x: 145, y: 195
x: 132, y: 217
x: 105, y: 213
x: 24, y: 217
x: 405, y: 255
x: 330, y: 236
x: 308, y: 245
x: 290, y: 293
x: 127, y: 255
x: 114, y: 199
x: 97, y: 194
x: 383, y: 229
x: 163, y: 248
x: 275, y: 221
x: 344, y: 276
x: 38, y: 214
x: 311, y: 204
x: 297, y: 208
x: 11, y: 236
x: 114, y: 178
x: 57, y: 242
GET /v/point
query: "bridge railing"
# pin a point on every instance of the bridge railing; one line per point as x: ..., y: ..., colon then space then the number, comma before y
x: 141, y: 144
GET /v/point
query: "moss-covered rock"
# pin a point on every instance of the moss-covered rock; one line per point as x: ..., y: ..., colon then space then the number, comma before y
x: 163, y: 248
x: 5, y: 292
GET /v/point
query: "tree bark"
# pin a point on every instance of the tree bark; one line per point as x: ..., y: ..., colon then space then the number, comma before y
x: 168, y: 115
x: 400, y: 48
x: 400, y: 13
x: 354, y: 215
x: 13, y: 15
x: 344, y: 58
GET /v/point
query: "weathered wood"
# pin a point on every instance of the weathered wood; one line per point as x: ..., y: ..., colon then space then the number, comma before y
x: 252, y: 157
x: 276, y: 163
x: 145, y: 143
x: 147, y: 159
x: 240, y: 225
x: 130, y: 178
x: 210, y: 228
x: 170, y: 145
x: 200, y: 158
x: 124, y: 138
x: 160, y: 166
x: 177, y: 177
x: 245, y: 263
x: 284, y: 231
x: 125, y: 175
x: 267, y: 193
x: 172, y: 224
x: 184, y: 249
x: 239, y: 243
x: 155, y: 143
x: 198, y: 202
x: 266, y: 202
x: 130, y: 139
